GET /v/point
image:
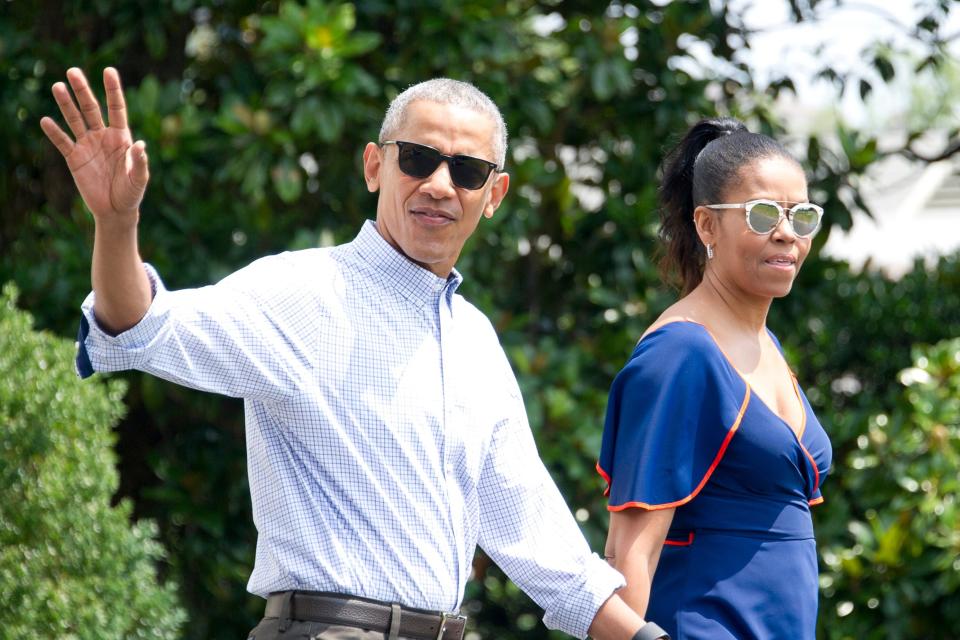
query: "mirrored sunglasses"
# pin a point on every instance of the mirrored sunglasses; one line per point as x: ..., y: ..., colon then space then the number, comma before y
x: 420, y: 161
x: 763, y: 216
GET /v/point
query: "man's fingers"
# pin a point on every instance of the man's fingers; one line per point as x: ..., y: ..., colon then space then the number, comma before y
x: 89, y: 107
x: 60, y: 140
x: 139, y: 170
x: 116, y: 105
x: 69, y: 110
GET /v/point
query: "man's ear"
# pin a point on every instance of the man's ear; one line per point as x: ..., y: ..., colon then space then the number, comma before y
x: 372, y: 163
x: 501, y: 184
x: 707, y: 223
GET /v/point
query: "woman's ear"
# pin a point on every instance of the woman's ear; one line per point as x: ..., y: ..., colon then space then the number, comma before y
x: 707, y: 223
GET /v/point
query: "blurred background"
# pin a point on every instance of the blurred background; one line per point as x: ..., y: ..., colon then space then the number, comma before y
x: 124, y: 507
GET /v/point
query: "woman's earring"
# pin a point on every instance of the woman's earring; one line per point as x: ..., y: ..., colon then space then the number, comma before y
x: 709, y: 252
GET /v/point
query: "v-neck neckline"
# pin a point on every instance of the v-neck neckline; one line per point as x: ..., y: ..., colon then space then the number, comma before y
x: 797, y: 433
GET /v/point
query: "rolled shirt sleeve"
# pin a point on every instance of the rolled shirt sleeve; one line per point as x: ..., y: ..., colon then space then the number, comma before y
x: 98, y: 350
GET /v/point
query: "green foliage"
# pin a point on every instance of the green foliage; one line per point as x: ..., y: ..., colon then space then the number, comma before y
x: 71, y: 565
x: 888, y: 530
x: 903, y: 566
x: 256, y: 113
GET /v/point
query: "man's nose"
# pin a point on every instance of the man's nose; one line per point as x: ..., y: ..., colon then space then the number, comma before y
x: 439, y: 184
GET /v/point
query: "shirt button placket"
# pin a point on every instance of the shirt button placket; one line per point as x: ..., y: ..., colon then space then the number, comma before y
x: 449, y: 364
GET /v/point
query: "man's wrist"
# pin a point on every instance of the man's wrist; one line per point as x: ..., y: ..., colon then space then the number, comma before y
x: 651, y: 631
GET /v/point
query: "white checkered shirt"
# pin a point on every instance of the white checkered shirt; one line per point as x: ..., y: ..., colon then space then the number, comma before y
x: 386, y: 434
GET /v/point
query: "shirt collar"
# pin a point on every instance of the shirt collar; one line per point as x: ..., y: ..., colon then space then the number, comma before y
x: 417, y: 284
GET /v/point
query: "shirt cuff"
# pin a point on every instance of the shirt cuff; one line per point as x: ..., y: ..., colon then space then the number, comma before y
x: 97, y: 350
x: 579, y: 606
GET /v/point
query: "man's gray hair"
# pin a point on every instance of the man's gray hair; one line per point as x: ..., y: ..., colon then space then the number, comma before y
x: 452, y: 92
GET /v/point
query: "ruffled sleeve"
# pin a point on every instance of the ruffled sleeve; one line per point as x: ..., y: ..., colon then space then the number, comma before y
x: 672, y: 412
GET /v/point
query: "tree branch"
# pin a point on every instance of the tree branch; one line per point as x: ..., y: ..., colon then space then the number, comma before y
x: 952, y: 148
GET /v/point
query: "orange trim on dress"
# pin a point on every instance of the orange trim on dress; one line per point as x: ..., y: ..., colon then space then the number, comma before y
x: 815, y: 501
x: 803, y: 428
x: 706, y: 476
x: 796, y: 390
x: 803, y: 408
x: 813, y: 463
x: 680, y: 543
x: 606, y: 478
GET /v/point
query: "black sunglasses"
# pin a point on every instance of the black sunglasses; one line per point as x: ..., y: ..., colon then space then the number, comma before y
x: 420, y: 161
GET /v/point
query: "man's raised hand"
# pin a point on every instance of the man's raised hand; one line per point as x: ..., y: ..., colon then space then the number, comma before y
x: 110, y: 170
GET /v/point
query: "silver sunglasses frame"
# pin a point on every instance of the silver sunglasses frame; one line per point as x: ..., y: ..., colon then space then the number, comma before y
x: 784, y: 213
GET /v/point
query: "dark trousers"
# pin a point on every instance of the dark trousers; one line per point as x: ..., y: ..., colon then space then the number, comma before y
x: 269, y: 629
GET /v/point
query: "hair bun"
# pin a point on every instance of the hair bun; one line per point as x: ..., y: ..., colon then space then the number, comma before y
x: 709, y: 129
x: 726, y: 125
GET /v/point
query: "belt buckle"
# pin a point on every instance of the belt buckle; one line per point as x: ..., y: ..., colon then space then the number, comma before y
x: 444, y: 618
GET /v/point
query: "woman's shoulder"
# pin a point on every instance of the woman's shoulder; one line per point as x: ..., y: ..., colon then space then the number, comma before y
x: 676, y: 352
x: 678, y: 335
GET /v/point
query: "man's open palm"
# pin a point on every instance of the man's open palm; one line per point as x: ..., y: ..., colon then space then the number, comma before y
x: 109, y: 168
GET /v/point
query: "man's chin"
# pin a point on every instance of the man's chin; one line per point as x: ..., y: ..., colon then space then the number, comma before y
x: 431, y: 260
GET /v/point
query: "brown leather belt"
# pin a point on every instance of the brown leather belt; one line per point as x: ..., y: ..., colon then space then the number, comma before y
x: 351, y: 611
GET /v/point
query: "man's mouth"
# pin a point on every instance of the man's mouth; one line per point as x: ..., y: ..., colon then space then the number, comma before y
x: 434, y: 216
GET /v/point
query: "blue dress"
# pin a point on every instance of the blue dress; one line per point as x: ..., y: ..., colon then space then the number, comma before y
x: 684, y: 430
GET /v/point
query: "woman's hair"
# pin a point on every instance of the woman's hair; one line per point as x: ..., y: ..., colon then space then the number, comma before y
x: 698, y: 171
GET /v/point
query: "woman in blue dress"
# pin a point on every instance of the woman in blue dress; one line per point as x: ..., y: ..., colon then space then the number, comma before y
x: 712, y: 454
